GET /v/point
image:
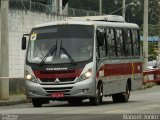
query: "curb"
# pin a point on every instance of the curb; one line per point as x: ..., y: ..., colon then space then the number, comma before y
x: 149, y: 85
x: 8, y: 103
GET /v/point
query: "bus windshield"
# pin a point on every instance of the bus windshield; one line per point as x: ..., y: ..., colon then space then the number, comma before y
x: 61, y: 44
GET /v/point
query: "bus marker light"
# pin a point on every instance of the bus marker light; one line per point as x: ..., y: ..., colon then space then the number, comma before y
x: 101, y: 73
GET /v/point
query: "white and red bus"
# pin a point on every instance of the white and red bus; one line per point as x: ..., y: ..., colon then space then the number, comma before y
x: 83, y: 58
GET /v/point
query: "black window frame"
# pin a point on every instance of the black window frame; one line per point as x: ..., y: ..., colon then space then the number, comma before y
x: 111, y: 36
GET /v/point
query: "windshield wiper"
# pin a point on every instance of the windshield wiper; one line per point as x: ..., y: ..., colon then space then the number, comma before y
x: 51, y: 52
x: 65, y: 52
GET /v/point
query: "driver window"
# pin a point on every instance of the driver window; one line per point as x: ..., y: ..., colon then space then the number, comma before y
x: 86, y: 48
x: 101, y: 43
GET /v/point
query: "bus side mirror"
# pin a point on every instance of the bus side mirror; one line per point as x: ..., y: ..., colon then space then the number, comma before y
x: 100, y: 38
x: 24, y: 41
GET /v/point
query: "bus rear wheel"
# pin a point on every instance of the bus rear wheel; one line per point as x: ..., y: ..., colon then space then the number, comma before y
x: 36, y: 103
x: 122, y: 97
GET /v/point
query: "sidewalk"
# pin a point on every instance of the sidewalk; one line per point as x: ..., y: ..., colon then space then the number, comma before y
x: 14, y: 99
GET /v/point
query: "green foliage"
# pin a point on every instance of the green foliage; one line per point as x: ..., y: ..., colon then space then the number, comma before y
x: 134, y: 13
x: 153, y: 30
x: 152, y: 51
x: 92, y: 5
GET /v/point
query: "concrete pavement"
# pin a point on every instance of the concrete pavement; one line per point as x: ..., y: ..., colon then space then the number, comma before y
x: 21, y: 98
x: 143, y: 104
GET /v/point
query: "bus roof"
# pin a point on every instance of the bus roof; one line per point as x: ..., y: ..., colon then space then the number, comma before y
x: 107, y: 18
x: 94, y: 23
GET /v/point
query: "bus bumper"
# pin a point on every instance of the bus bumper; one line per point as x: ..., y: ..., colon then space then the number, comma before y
x: 84, y: 89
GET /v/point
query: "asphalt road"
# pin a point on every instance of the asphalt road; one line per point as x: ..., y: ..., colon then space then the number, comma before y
x: 141, y: 102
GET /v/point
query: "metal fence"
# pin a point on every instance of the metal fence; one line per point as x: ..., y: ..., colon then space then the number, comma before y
x: 77, y: 12
x: 48, y: 9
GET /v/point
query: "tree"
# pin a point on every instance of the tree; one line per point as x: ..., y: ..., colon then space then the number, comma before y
x: 152, y: 51
x: 134, y: 13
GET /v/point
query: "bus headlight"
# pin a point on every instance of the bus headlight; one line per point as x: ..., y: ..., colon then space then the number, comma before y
x: 28, y: 77
x: 86, y: 75
x: 31, y: 78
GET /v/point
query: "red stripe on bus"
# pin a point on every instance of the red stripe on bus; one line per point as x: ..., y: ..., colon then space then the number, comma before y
x: 121, y: 69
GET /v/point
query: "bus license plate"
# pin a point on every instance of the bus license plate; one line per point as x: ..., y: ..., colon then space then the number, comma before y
x: 57, y: 95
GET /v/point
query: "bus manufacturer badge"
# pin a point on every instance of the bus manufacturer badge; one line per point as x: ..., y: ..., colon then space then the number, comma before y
x: 56, y: 69
x: 57, y: 81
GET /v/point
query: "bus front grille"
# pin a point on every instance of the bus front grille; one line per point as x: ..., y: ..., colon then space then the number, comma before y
x: 67, y: 79
x: 51, y: 90
x: 45, y: 80
x: 53, y: 80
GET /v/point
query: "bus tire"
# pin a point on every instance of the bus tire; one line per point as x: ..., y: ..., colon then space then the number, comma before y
x: 125, y: 96
x: 99, y: 95
x: 121, y: 97
x: 115, y: 98
x: 36, y: 103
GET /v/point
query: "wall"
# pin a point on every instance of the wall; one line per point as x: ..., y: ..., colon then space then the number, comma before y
x: 21, y: 22
x: 0, y: 40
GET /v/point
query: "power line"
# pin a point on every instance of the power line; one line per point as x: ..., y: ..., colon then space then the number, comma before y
x: 129, y: 4
x: 152, y: 11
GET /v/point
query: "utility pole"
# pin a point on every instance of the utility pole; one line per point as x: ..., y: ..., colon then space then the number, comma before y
x: 124, y: 9
x: 30, y: 5
x: 55, y: 8
x: 100, y: 7
x: 145, y: 35
x: 159, y: 36
x: 61, y: 7
x: 4, y: 61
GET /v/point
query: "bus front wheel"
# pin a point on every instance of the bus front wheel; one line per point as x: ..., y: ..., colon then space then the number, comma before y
x: 99, y: 95
x: 36, y: 103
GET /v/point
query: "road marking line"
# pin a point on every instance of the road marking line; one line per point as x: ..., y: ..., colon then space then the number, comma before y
x: 113, y: 111
x: 149, y: 106
x: 153, y: 105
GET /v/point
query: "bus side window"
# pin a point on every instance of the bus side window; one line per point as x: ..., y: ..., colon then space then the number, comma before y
x: 101, y: 43
x: 106, y: 43
x: 128, y: 37
x: 120, y: 44
x: 136, y: 43
x: 110, y: 36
